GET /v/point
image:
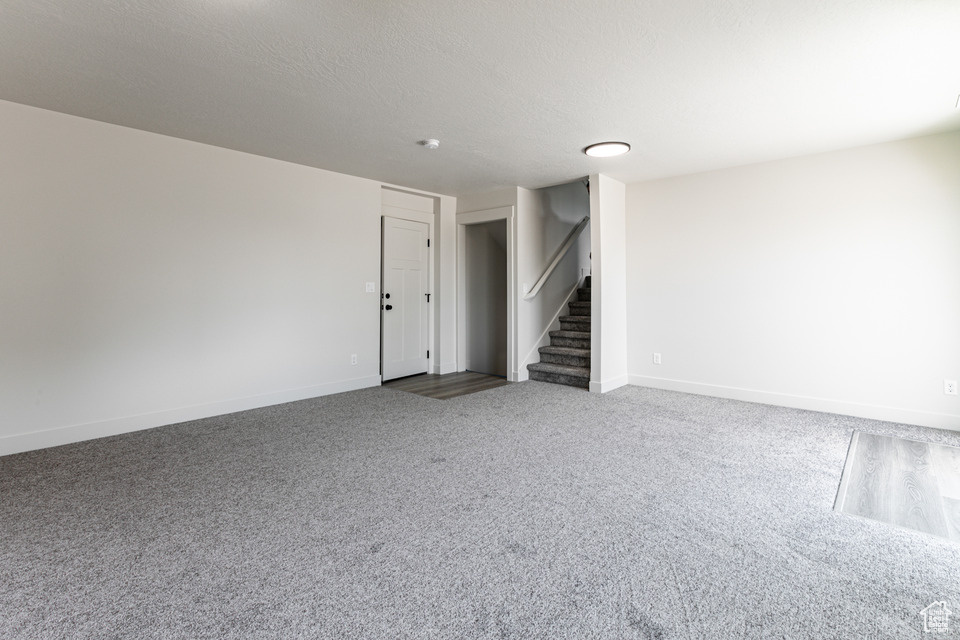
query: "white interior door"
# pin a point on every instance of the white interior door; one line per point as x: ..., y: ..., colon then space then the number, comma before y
x: 404, y: 305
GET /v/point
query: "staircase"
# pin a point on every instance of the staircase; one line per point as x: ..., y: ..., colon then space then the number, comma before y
x: 567, y: 359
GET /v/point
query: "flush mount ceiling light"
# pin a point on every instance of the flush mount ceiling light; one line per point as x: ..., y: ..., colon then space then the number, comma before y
x: 430, y: 143
x: 607, y: 149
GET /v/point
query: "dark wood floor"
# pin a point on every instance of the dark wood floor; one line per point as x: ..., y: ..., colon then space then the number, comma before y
x: 446, y: 386
x: 904, y: 483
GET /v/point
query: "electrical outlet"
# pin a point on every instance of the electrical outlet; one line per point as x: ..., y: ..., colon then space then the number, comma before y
x: 353, y: 358
x: 656, y: 358
x: 950, y: 387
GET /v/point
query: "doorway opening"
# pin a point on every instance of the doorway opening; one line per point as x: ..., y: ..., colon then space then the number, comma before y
x: 485, y: 280
x: 408, y: 274
x: 506, y: 220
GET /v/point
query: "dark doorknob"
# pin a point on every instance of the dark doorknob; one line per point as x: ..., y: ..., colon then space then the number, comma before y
x: 388, y: 307
x: 387, y: 296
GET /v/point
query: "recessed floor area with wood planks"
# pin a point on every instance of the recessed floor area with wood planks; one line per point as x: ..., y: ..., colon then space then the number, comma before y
x: 902, y: 482
x: 447, y: 386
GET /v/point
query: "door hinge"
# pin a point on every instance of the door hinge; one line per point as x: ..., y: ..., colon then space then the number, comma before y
x: 428, y: 242
x: 428, y: 354
x: 428, y: 296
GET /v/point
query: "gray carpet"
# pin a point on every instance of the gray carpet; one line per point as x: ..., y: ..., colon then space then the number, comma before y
x: 528, y: 511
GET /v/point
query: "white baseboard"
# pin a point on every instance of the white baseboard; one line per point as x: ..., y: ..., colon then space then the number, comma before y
x: 76, y: 433
x: 827, y: 405
x: 603, y: 386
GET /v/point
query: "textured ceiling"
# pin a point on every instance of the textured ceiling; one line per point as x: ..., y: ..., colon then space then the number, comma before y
x: 514, y: 90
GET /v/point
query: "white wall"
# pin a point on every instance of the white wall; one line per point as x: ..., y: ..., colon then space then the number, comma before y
x: 829, y: 282
x: 486, y: 297
x: 506, y: 197
x: 146, y: 280
x: 608, y: 341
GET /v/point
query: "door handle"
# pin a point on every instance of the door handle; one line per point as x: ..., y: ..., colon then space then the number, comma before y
x: 388, y: 307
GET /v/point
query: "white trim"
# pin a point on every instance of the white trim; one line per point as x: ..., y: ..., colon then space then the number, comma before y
x: 486, y: 215
x: 479, y: 217
x: 447, y: 367
x: 826, y: 405
x: 78, y: 432
x: 604, y: 386
x: 400, y: 213
x: 416, y: 192
x: 844, y: 476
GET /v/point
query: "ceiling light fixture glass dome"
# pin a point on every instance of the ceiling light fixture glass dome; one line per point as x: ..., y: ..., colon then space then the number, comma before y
x: 607, y: 149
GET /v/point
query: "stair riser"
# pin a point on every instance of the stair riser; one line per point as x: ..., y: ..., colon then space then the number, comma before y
x: 570, y: 361
x: 583, y: 295
x: 576, y: 343
x: 575, y: 325
x: 558, y: 378
x: 579, y: 309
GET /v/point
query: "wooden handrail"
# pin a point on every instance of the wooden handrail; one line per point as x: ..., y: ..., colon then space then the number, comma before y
x: 557, y: 257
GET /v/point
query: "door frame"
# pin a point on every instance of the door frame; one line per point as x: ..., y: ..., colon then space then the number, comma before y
x: 390, y: 211
x: 478, y: 217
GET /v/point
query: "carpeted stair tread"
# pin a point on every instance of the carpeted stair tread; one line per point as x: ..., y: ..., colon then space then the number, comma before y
x: 546, y: 367
x: 570, y: 356
x: 560, y: 374
x: 582, y: 335
x: 575, y: 339
x: 575, y: 323
x: 565, y: 351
